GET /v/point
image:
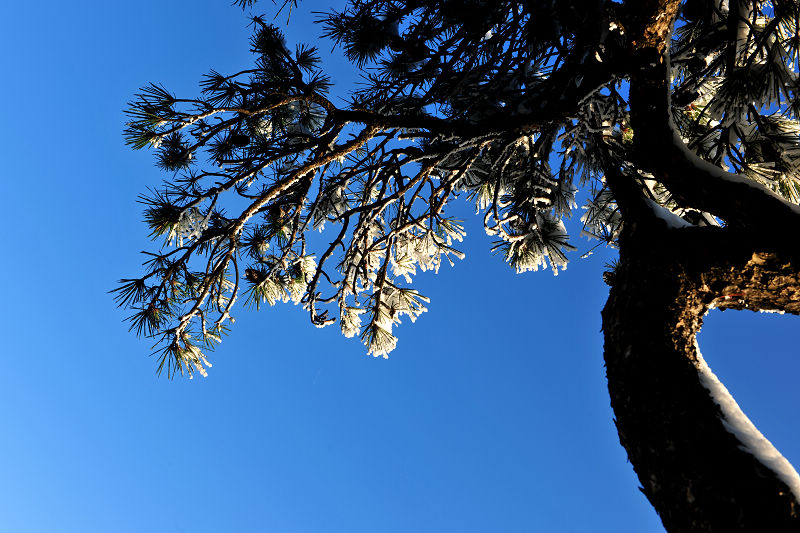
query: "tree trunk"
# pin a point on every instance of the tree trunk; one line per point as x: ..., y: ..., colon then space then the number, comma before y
x: 692, y: 469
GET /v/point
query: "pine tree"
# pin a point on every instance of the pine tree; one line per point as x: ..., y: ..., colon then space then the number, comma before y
x: 680, y: 118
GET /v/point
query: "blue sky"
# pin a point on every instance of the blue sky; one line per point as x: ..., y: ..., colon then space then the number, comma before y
x: 491, y: 415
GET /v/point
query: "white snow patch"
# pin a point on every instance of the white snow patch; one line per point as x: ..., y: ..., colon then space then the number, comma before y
x: 673, y: 221
x: 737, y: 423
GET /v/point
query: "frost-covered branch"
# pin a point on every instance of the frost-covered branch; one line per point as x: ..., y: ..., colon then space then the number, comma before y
x: 512, y: 105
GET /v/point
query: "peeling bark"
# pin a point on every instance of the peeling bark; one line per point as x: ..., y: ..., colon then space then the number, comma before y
x: 692, y: 469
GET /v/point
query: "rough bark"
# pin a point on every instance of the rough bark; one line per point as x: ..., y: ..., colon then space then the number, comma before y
x: 691, y: 468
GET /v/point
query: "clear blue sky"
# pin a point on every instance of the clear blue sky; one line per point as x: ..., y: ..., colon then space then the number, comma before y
x: 492, y: 414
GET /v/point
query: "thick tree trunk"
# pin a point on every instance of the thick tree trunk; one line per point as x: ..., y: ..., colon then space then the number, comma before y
x: 692, y: 469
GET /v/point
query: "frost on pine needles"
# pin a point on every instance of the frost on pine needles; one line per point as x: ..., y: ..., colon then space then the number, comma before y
x: 280, y: 192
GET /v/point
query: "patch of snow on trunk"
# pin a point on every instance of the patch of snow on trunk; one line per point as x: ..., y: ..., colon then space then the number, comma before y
x: 751, y: 439
x: 673, y: 221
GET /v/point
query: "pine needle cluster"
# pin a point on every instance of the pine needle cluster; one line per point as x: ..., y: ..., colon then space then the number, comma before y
x: 513, y: 105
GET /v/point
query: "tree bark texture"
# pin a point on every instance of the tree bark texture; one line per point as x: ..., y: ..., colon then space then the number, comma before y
x: 691, y: 468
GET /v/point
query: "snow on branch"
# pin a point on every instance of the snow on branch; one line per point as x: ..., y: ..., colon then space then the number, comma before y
x: 740, y: 426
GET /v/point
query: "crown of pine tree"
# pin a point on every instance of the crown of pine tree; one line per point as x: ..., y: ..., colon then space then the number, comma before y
x: 513, y: 105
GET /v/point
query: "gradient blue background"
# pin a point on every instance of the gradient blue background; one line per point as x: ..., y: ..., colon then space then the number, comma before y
x: 492, y: 414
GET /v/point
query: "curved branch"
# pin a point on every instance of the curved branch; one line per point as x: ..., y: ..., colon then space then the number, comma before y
x: 692, y: 460
x: 694, y: 182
